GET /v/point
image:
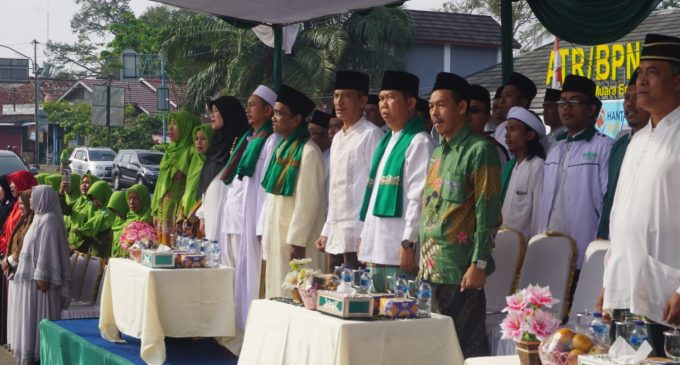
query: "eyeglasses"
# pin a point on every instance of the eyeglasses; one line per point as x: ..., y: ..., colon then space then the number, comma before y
x: 570, y: 102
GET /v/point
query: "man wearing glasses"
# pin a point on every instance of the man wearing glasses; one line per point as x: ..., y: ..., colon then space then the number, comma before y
x: 575, y: 174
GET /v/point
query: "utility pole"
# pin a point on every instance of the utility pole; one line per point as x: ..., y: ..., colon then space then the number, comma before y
x: 36, y: 155
x: 108, y: 112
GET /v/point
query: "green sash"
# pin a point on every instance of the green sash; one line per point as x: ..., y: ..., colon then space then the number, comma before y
x: 249, y: 153
x: 388, y: 201
x: 282, y: 172
x: 505, y: 177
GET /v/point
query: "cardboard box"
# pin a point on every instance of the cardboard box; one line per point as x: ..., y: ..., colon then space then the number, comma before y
x: 398, y: 307
x: 343, y: 305
x: 191, y: 260
x: 376, y: 301
x: 158, y: 259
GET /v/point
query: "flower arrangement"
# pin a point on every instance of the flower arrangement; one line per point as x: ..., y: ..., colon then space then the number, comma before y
x: 527, y: 320
x: 298, y: 275
x: 137, y: 236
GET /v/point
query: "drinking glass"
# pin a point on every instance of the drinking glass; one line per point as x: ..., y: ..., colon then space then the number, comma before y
x: 389, y: 283
x: 413, y: 288
x: 624, y: 328
x: 671, y: 344
x: 583, y: 321
x: 337, y: 271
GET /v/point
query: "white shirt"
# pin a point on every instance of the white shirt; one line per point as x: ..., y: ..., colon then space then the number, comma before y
x: 327, y: 173
x: 644, y: 264
x: 520, y: 207
x: 381, y: 237
x: 552, y: 137
x: 351, y: 156
x: 232, y: 210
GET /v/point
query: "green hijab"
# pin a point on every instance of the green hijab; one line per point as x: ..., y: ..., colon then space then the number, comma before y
x: 101, y: 191
x: 74, y: 192
x: 144, y: 214
x: 82, y: 205
x: 41, y: 178
x: 54, y: 181
x: 177, y: 156
x: 194, y: 174
x: 118, y: 202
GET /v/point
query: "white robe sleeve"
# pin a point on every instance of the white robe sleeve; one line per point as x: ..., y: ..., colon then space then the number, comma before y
x: 309, y: 197
x: 200, y: 212
x: 260, y: 169
x: 415, y: 172
x: 536, y: 191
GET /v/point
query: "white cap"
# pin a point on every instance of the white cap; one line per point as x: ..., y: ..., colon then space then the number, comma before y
x: 528, y: 118
x: 266, y: 94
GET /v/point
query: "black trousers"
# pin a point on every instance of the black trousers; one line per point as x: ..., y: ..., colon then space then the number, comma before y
x: 468, y: 310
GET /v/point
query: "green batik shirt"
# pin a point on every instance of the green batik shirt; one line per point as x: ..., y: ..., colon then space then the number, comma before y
x: 461, y: 208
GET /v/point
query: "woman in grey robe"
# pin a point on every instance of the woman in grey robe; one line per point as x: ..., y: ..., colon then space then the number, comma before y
x: 42, y: 280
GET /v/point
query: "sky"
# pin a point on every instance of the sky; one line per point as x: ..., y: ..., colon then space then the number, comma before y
x: 25, y: 20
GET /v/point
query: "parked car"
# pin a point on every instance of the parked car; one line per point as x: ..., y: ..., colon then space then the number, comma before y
x: 136, y: 167
x: 10, y: 162
x: 97, y: 161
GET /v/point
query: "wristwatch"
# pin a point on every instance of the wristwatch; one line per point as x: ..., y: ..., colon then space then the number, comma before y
x: 408, y: 244
x: 480, y: 264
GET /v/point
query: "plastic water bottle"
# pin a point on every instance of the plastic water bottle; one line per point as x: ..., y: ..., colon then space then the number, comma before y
x: 214, y: 254
x: 638, y: 335
x: 599, y: 329
x: 193, y: 245
x: 179, y: 242
x: 366, y: 282
x: 205, y: 246
x: 401, y: 287
x: 346, y: 281
x: 424, y: 299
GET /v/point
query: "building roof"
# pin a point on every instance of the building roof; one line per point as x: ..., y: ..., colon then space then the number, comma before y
x: 534, y: 64
x: 14, y: 94
x: 459, y: 29
x: 140, y: 93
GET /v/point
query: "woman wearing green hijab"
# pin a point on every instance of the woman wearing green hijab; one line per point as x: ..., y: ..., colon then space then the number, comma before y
x: 139, y: 210
x: 118, y: 206
x: 173, y: 173
x: 73, y: 198
x: 54, y: 181
x: 186, y: 215
x: 94, y: 235
x: 41, y: 178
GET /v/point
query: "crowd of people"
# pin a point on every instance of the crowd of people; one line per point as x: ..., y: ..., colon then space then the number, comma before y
x: 387, y: 181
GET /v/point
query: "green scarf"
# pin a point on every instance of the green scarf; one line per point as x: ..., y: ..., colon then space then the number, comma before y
x: 249, y: 152
x: 54, y: 181
x: 74, y: 190
x: 194, y: 173
x: 118, y: 203
x: 101, y: 191
x: 282, y: 172
x: 40, y: 178
x: 177, y: 156
x: 388, y: 201
x: 505, y: 177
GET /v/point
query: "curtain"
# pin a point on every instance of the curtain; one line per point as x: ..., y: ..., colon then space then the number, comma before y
x: 591, y: 22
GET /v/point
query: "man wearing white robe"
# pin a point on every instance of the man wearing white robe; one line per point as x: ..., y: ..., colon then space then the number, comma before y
x: 293, y: 221
x: 575, y: 173
x: 259, y: 110
x: 318, y: 126
x: 642, y: 273
x: 388, y: 243
x: 351, y: 154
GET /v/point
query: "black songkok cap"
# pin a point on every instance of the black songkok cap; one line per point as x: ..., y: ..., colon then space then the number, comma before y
x: 453, y: 82
x: 583, y: 85
x: 661, y: 47
x: 373, y: 99
x: 524, y: 84
x: 499, y: 91
x: 320, y: 118
x: 295, y: 100
x: 401, y: 81
x: 351, y: 80
x: 480, y: 93
x: 552, y: 95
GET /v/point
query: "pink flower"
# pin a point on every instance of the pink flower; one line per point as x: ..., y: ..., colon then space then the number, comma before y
x: 513, y: 326
x: 462, y: 237
x: 539, y: 297
x: 542, y: 324
x: 516, y: 302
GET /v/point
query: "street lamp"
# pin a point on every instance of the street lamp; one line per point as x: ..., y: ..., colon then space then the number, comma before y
x: 36, y: 155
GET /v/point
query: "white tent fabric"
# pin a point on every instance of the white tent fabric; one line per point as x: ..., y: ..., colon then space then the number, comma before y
x: 266, y: 35
x: 274, y: 11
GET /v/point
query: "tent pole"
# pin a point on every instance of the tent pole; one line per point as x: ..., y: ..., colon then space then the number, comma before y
x: 278, y: 45
x: 506, y: 39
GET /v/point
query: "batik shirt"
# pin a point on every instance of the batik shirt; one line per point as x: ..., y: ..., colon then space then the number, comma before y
x: 461, y: 208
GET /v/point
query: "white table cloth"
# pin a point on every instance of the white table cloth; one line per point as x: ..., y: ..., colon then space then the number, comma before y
x: 279, y: 333
x: 150, y: 304
x: 493, y: 360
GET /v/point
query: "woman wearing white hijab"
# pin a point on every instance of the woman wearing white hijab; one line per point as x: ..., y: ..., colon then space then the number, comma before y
x: 42, y: 281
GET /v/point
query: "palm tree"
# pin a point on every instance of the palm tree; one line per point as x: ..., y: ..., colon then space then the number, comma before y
x: 219, y: 56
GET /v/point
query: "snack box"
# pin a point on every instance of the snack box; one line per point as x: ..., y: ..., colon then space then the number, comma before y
x: 158, y: 259
x: 191, y: 260
x: 344, y: 305
x: 376, y: 301
x: 398, y: 307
